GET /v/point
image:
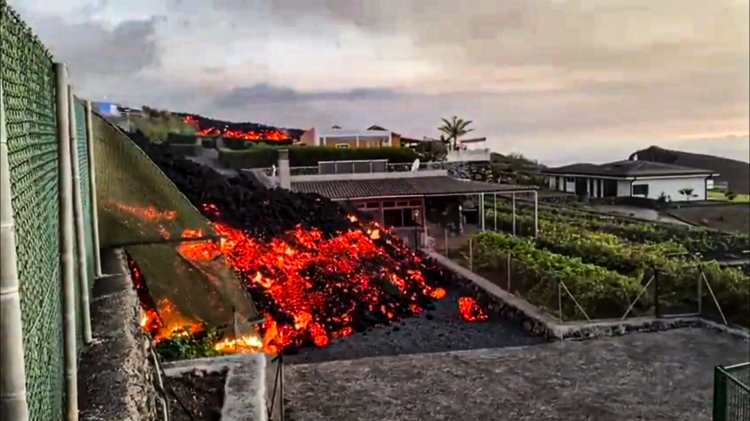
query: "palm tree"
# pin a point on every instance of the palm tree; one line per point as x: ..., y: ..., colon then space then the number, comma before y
x: 454, y: 129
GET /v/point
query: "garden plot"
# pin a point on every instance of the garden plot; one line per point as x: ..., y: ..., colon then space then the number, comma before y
x: 584, y: 267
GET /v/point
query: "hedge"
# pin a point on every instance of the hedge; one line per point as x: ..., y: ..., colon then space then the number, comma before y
x: 181, y: 139
x: 310, y: 156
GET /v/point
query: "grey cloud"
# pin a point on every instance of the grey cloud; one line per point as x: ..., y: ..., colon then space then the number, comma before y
x: 92, y: 51
x: 267, y: 94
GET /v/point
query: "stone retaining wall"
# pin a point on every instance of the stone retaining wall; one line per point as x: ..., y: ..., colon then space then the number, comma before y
x: 115, y: 376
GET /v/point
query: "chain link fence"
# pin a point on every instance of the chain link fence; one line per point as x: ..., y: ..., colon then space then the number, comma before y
x: 732, y: 393
x: 139, y: 209
x: 28, y: 80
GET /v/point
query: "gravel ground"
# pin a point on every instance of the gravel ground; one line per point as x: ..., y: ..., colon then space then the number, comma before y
x: 435, y: 331
x: 640, y: 376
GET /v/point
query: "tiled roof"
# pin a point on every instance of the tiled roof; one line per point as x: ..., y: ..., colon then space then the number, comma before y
x: 627, y: 169
x: 401, y: 187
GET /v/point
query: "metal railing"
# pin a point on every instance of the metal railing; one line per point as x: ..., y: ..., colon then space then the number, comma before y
x: 732, y: 393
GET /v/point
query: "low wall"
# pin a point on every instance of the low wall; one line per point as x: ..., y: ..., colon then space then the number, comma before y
x: 115, y: 377
x: 249, y: 386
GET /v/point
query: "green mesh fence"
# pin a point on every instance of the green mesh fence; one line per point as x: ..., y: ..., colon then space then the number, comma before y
x: 28, y: 80
x: 83, y: 162
x: 139, y: 208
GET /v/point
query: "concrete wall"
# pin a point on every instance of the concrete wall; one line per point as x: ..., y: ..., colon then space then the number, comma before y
x: 354, y: 142
x: 115, y: 376
x: 623, y: 188
x: 672, y: 186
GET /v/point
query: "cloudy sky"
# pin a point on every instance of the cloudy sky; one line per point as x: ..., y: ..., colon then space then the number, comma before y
x: 562, y: 81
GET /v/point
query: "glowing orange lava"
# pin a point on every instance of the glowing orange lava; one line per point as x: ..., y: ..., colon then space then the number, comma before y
x: 270, y: 135
x: 470, y: 310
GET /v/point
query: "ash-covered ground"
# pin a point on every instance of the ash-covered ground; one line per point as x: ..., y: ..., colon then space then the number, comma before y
x: 438, y: 330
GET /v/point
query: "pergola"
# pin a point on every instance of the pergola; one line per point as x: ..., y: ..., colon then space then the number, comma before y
x: 409, y: 190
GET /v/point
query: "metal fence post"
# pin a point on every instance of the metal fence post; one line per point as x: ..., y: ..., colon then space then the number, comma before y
x: 700, y: 291
x: 657, y: 306
x: 446, y: 242
x: 13, y: 404
x: 78, y: 219
x: 720, y: 395
x: 92, y: 188
x: 67, y: 245
x: 471, y: 254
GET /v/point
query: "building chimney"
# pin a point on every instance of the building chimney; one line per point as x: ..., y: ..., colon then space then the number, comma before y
x: 284, y: 175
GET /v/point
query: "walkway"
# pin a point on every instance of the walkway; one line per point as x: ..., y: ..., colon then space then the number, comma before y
x: 641, y: 376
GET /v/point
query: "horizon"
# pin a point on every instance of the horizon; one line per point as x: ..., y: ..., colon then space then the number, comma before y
x: 589, y: 81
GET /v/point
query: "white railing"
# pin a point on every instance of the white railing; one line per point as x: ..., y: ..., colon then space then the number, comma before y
x: 469, y: 155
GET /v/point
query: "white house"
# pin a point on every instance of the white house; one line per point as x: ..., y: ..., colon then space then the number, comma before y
x: 373, y: 137
x: 631, y: 179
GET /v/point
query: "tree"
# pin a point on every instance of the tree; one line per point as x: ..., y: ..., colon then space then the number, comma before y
x: 687, y: 192
x: 432, y: 150
x: 454, y: 129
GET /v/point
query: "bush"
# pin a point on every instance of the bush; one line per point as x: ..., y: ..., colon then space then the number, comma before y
x: 264, y: 156
x: 208, y: 142
x: 236, y: 144
x: 182, y: 139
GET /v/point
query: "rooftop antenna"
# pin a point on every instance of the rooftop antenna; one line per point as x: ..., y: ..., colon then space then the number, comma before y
x: 415, y: 165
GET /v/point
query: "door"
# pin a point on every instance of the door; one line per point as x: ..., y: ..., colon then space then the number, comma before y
x: 582, y: 185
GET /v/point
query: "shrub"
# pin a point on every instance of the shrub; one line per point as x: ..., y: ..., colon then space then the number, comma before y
x: 182, y: 139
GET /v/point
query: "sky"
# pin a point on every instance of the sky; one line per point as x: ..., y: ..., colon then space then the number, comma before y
x: 559, y: 81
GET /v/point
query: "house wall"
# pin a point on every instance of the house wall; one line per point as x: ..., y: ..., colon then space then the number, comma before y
x: 309, y: 138
x: 672, y: 186
x: 623, y: 188
x: 364, y: 142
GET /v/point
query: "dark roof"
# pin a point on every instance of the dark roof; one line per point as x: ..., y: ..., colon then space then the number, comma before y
x: 376, y: 127
x: 627, y: 169
x: 401, y: 187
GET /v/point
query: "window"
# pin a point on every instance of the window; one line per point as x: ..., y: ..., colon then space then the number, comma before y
x: 342, y: 145
x: 570, y: 180
x: 640, y: 190
x: 373, y: 205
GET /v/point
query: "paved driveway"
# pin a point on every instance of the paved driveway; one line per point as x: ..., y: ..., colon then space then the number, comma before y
x: 641, y: 376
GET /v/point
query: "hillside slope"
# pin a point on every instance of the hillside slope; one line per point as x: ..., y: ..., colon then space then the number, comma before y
x: 736, y: 173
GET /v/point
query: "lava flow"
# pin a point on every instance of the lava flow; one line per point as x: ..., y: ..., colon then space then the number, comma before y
x: 312, y: 289
x: 264, y: 135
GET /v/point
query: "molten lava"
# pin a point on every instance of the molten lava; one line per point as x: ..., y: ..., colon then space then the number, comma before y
x: 266, y: 135
x: 313, y: 289
x: 310, y: 288
x: 470, y: 310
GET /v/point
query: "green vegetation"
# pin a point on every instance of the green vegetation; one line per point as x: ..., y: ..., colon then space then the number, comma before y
x: 158, y: 125
x: 605, y: 263
x: 728, y: 196
x: 454, y: 129
x: 693, y: 240
x: 262, y: 156
x: 186, y: 344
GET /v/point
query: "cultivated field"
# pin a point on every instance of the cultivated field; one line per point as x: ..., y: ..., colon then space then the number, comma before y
x: 588, y: 266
